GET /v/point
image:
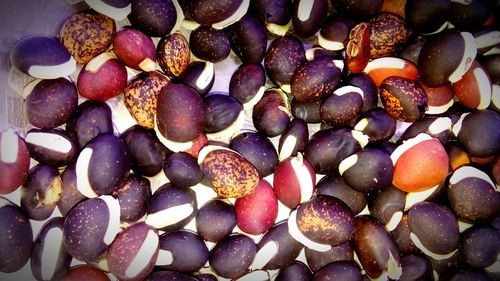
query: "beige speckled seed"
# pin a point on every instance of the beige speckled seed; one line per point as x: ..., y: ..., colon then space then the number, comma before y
x: 87, y: 34
x: 230, y: 175
x: 141, y: 96
x: 173, y: 54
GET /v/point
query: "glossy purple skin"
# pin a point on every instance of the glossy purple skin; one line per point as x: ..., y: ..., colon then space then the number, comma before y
x: 416, y: 268
x: 192, y: 73
x: 288, y: 247
x: 296, y: 129
x: 188, y: 250
x: 478, y: 135
x: 133, y: 194
x: 381, y: 126
x: 422, y: 126
x: 155, y: 18
x: 63, y: 261
x: 309, y: 27
x: 258, y: 150
x: 169, y: 195
x: 231, y: 257
x: 270, y: 115
x: 308, y: 111
x: 84, y: 229
x: 180, y: 113
x: 480, y: 245
x: 50, y: 156
x: 283, y: 56
x: 109, y: 164
x: 91, y: 118
x: 435, y: 226
x: 473, y: 198
x: 336, y: 28
x: 182, y: 169
x: 372, y: 172
x: 246, y: 82
x: 470, y: 15
x: 372, y: 243
x: 276, y: 11
x: 38, y: 51
x: 436, y: 61
x: 366, y: 84
x: 208, y: 12
x: 427, y: 16
x: 316, y: 260
x: 296, y: 271
x: 147, y: 153
x: 327, y: 148
x: 248, y: 38
x: 169, y: 275
x: 384, y: 204
x: 334, y: 185
x: 16, y: 237
x: 325, y: 219
x: 42, y: 179
x: 338, y: 111
x: 70, y: 196
x: 51, y: 103
x: 125, y: 249
x: 222, y: 111
x: 215, y: 220
x: 339, y: 270
x: 209, y: 44
x: 314, y: 80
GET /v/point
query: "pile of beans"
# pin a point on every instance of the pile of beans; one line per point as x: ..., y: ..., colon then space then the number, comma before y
x: 353, y: 140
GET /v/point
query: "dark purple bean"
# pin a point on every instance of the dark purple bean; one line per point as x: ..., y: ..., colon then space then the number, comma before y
x: 215, y: 220
x: 182, y: 251
x: 258, y: 150
x: 50, y: 103
x: 41, y: 192
x: 171, y: 207
x: 182, y: 169
x: 231, y: 257
x: 147, y: 153
x: 91, y: 119
x: 91, y: 226
x: 16, y: 237
x: 51, y: 146
x: 133, y: 194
